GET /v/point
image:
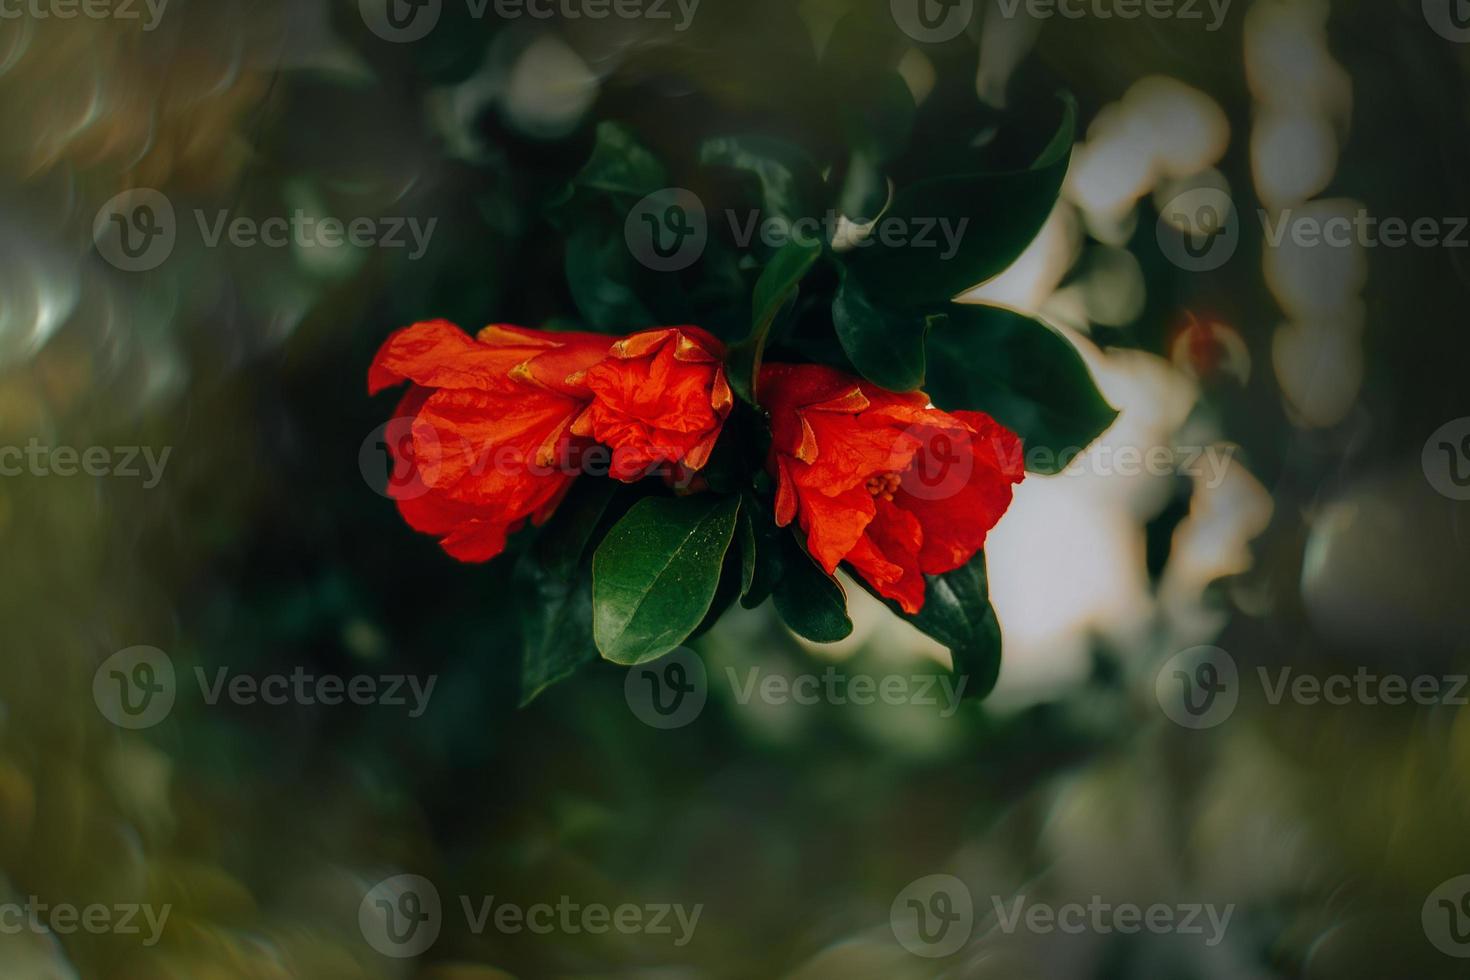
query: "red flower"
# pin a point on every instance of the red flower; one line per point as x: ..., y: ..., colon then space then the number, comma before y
x: 491, y: 415
x: 659, y: 397
x: 883, y: 481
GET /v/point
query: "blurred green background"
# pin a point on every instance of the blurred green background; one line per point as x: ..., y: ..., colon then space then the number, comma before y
x: 1328, y: 544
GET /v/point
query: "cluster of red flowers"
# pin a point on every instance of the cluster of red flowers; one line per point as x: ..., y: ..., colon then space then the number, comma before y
x: 884, y: 481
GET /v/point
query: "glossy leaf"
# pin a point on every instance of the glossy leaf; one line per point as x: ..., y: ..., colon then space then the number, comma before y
x: 809, y: 600
x: 776, y: 287
x: 944, y: 235
x: 957, y: 613
x: 886, y: 346
x: 1022, y: 373
x: 656, y: 572
x: 555, y: 590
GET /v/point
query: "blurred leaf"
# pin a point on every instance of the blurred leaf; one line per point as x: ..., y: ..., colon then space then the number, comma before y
x: 864, y: 189
x: 620, y: 169
x: 987, y: 219
x: 555, y: 586
x: 655, y: 574
x: 886, y: 346
x: 809, y: 600
x: 957, y: 613
x: 1022, y: 373
x: 879, y: 116
x: 775, y: 288
x: 601, y: 275
x: 790, y: 185
x: 768, y: 543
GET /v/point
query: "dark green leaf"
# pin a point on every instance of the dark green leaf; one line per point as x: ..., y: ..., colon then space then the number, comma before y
x: 602, y: 275
x: 1023, y: 374
x: 775, y: 288
x: 555, y: 590
x: 790, y: 186
x: 886, y: 346
x: 747, y: 550
x: 655, y: 574
x: 769, y: 543
x: 620, y: 169
x: 864, y: 189
x: 809, y: 600
x: 957, y: 613
x: 944, y: 235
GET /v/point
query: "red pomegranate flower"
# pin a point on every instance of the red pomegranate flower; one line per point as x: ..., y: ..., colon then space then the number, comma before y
x: 659, y: 397
x: 883, y: 481
x: 489, y: 440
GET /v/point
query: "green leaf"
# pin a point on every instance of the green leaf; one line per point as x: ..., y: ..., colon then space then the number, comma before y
x: 1023, y: 374
x: 948, y: 234
x: 554, y: 590
x: 864, y: 189
x: 790, y: 186
x: 957, y: 613
x: 809, y: 600
x: 776, y: 287
x: 768, y: 547
x: 602, y: 275
x: 620, y: 169
x: 747, y: 550
x: 886, y: 346
x: 655, y: 574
